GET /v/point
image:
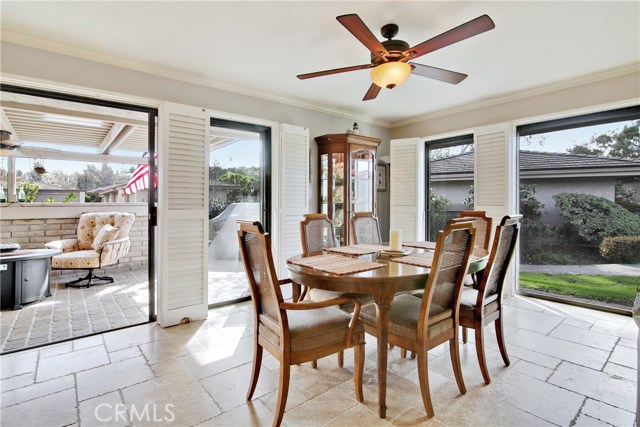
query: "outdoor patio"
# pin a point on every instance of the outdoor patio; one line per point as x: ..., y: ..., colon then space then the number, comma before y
x: 75, y: 312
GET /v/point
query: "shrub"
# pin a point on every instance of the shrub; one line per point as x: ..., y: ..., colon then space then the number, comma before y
x: 596, y: 217
x: 547, y: 258
x: 621, y: 250
x: 532, y: 210
x: 216, y: 207
x: 30, y: 190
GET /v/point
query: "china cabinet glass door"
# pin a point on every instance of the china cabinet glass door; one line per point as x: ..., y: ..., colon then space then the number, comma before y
x: 362, y: 169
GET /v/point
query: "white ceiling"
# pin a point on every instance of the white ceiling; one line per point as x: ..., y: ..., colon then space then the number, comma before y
x: 261, y: 46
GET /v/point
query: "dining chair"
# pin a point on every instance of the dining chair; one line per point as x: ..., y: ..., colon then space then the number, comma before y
x: 479, y: 307
x: 483, y: 225
x: 420, y: 293
x: 293, y: 332
x: 316, y: 233
x: 420, y: 324
x: 364, y: 229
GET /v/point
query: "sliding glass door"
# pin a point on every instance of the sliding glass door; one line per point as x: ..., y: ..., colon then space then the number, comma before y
x: 238, y: 189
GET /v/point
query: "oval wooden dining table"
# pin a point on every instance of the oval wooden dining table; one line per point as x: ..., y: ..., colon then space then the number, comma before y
x: 383, y: 284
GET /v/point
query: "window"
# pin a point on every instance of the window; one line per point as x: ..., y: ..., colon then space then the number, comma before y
x: 450, y: 172
x: 580, y: 194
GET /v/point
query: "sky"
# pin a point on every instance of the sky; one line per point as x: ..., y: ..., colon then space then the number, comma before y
x: 243, y: 153
x: 559, y: 142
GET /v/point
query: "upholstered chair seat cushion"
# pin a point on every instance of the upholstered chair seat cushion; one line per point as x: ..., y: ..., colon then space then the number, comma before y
x: 403, y: 317
x: 468, y: 301
x: 313, y: 329
x: 77, y: 259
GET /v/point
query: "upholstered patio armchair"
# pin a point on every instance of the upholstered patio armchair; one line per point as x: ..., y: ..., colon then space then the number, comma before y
x: 102, y: 240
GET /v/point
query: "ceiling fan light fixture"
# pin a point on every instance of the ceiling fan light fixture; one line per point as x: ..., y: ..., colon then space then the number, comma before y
x: 390, y: 74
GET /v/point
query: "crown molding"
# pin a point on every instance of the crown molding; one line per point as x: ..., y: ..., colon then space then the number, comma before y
x: 46, y: 45
x: 540, y: 90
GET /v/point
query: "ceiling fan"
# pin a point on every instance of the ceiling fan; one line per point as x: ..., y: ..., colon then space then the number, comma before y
x: 390, y: 59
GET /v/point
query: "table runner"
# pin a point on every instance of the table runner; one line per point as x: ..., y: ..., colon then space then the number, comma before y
x: 336, y: 264
x: 357, y: 250
x: 419, y: 260
x: 420, y: 245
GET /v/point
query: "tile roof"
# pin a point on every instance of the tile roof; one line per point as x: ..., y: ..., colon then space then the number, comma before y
x: 535, y: 160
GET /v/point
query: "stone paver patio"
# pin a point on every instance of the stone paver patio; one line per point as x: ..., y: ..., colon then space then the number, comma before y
x: 75, y: 312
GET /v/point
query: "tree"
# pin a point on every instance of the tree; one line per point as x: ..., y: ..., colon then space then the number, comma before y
x: 624, y: 144
x: 584, y: 149
x: 245, y: 182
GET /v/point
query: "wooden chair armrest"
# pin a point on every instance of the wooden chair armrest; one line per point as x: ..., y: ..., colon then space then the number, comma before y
x: 329, y: 303
x: 284, y: 282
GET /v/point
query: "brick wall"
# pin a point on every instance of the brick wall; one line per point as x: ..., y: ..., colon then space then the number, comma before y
x: 34, y: 233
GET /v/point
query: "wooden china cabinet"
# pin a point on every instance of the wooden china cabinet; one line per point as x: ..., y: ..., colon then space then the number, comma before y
x: 347, y: 178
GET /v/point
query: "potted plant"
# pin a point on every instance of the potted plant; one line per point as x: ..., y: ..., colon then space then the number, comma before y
x: 38, y: 167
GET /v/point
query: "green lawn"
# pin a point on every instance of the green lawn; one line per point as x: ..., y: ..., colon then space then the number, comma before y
x: 620, y: 289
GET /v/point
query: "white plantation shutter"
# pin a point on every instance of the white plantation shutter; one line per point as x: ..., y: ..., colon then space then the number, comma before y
x: 183, y: 213
x: 407, y: 187
x: 495, y: 178
x: 294, y: 191
x: 495, y: 168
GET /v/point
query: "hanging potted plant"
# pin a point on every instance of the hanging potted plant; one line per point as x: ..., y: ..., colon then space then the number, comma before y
x: 38, y: 167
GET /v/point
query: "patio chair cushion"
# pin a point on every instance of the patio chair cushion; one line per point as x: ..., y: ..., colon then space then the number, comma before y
x: 77, y: 259
x: 90, y: 225
x: 403, y: 317
x: 108, y: 233
x: 65, y: 245
x: 312, y: 329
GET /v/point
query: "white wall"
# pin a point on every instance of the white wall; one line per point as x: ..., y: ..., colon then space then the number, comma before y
x: 619, y: 89
x: 39, y: 64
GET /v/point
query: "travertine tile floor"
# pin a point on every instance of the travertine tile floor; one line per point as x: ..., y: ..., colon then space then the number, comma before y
x: 570, y: 367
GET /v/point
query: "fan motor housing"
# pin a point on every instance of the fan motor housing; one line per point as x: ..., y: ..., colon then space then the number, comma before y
x: 395, y: 49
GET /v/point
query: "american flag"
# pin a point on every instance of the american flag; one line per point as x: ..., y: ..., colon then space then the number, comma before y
x: 139, y: 180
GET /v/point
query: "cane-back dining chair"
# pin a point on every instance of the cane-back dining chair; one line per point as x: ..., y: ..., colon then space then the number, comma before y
x: 483, y: 225
x: 293, y: 332
x: 420, y: 324
x: 316, y: 233
x: 479, y: 307
x: 364, y: 229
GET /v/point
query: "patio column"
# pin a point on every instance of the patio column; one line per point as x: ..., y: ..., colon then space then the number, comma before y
x: 11, y: 180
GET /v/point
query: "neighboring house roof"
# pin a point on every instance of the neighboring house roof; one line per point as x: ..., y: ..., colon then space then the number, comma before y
x: 221, y: 185
x: 548, y: 165
x: 109, y: 189
x: 51, y: 188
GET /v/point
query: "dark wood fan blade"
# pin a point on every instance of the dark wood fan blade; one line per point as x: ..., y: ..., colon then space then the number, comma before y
x: 354, y: 24
x: 464, y: 31
x: 437, y: 73
x: 373, y: 91
x: 334, y: 71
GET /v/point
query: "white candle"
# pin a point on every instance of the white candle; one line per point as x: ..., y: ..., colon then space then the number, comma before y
x: 395, y: 240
